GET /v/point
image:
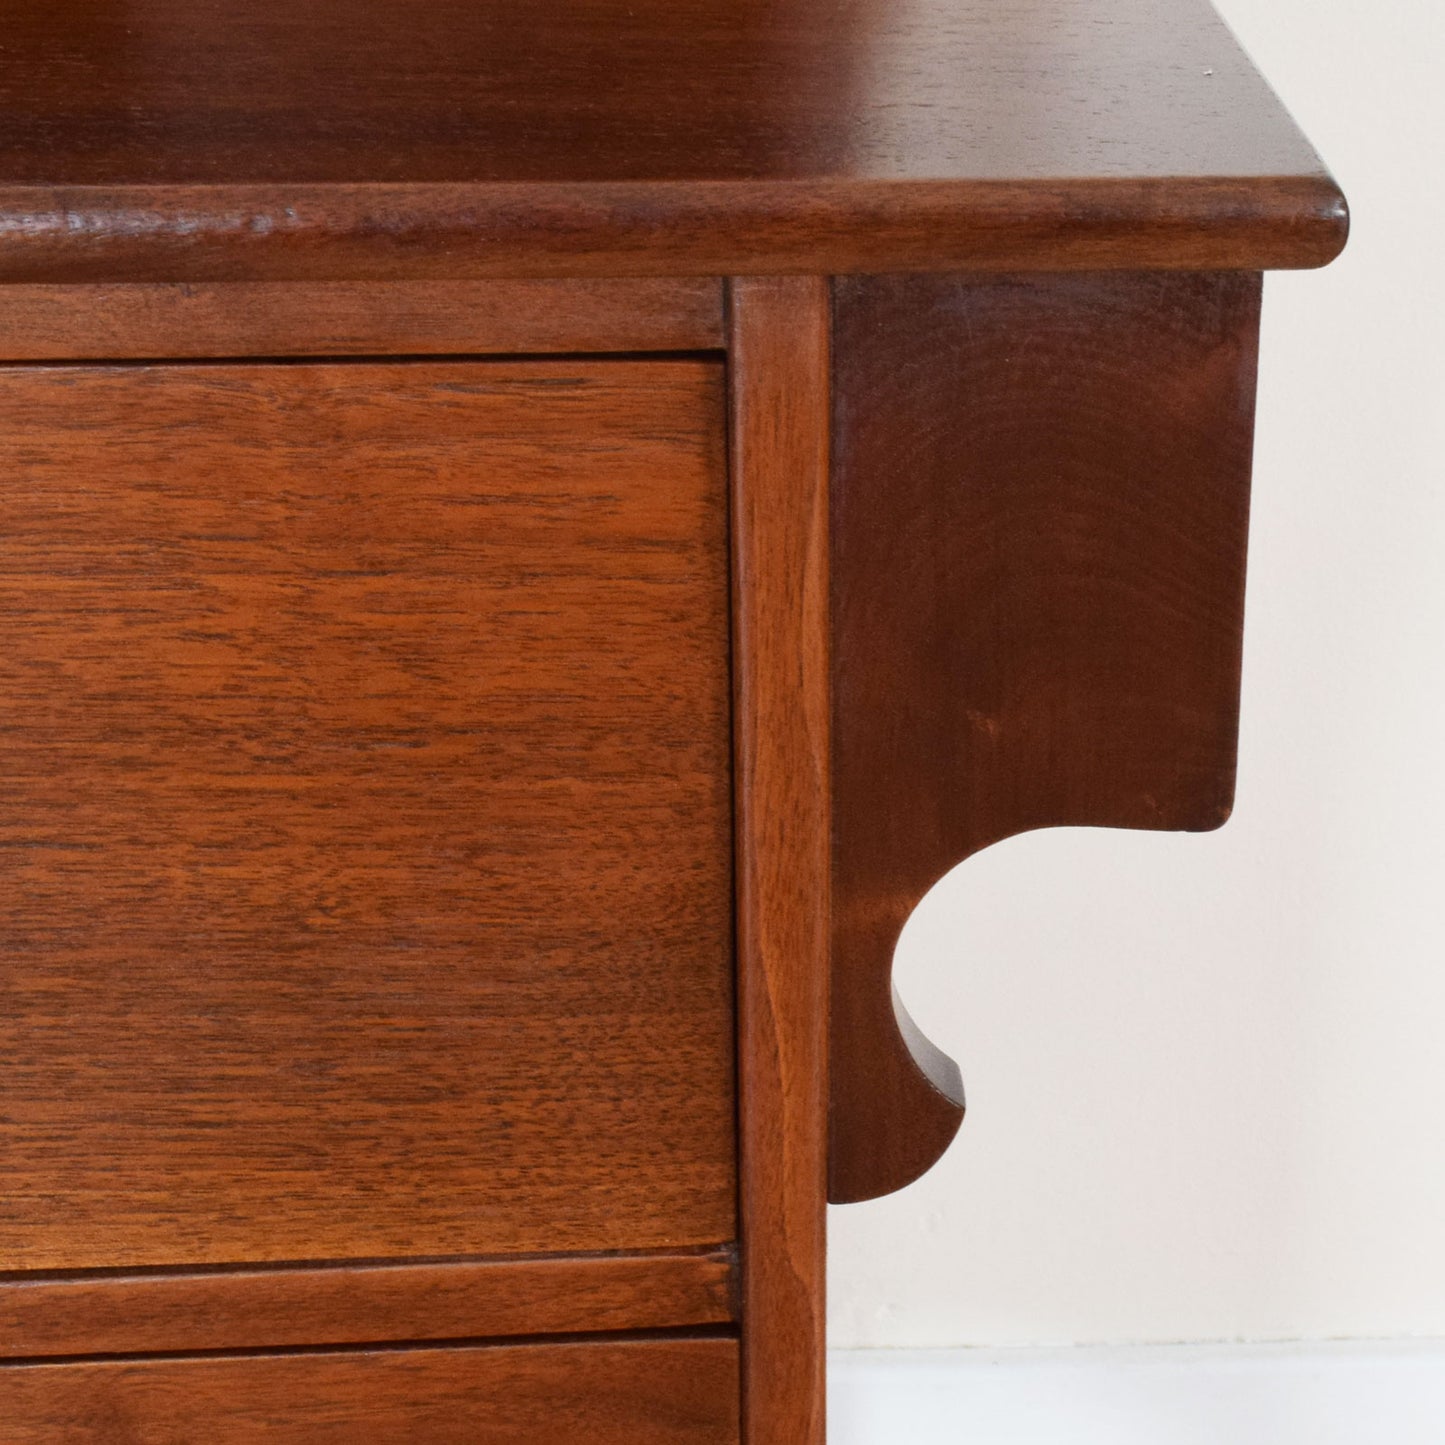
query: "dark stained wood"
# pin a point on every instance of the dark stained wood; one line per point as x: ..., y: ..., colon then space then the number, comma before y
x: 637, y: 1392
x: 365, y: 847
x: 262, y: 139
x: 275, y: 233
x: 1040, y: 499
x: 456, y: 816
x: 779, y: 355
x: 270, y: 1308
x: 342, y: 318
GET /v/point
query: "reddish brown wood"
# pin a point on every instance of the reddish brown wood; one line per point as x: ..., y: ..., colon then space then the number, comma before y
x: 676, y: 1391
x: 366, y: 826
x: 821, y: 227
x: 351, y: 1304
x: 1039, y: 506
x: 779, y: 355
x: 256, y: 139
x: 368, y: 773
x: 344, y: 318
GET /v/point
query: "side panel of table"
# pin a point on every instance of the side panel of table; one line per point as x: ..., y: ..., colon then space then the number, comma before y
x: 1039, y: 513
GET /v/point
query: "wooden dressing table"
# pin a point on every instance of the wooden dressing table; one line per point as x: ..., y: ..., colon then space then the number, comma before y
x: 530, y: 535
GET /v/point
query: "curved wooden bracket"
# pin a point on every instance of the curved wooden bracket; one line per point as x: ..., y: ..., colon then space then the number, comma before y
x: 1039, y: 512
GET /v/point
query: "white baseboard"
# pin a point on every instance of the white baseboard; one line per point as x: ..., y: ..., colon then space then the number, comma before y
x: 1325, y: 1394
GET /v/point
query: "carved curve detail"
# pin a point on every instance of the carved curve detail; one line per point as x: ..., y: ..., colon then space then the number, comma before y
x: 1039, y: 514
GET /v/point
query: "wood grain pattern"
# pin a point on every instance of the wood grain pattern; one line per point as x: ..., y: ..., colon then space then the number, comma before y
x: 636, y: 1392
x: 779, y: 355
x: 39, y: 323
x: 179, y: 1313
x: 365, y: 836
x: 256, y: 139
x: 1040, y: 505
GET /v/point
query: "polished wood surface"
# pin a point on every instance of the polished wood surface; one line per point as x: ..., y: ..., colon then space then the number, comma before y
x: 457, y: 808
x: 341, y: 318
x: 366, y: 838
x: 1040, y: 501
x: 666, y: 1391
x: 779, y: 356
x: 180, y: 1312
x: 261, y: 139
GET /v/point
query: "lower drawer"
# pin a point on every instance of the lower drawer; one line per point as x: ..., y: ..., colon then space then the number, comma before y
x: 676, y: 1391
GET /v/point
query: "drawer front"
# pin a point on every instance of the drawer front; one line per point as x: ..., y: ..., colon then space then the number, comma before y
x: 364, y: 812
x: 184, y: 1312
x: 638, y: 1392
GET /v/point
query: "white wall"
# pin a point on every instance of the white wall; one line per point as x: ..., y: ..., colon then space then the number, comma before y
x: 1319, y: 1394
x: 1207, y: 1074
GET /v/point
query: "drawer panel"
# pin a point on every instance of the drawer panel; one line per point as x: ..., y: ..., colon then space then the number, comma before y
x: 364, y: 812
x: 119, y: 1312
x: 636, y: 1392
